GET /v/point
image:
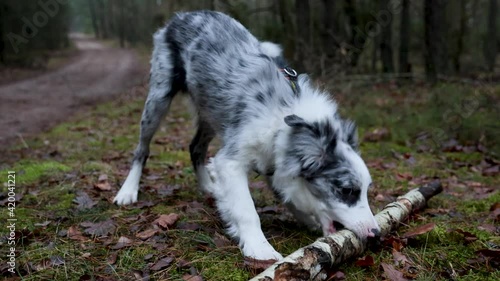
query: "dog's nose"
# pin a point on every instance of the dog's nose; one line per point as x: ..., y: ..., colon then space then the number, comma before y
x: 376, y: 233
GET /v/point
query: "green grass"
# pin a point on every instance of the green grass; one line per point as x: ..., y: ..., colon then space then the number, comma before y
x: 101, y: 142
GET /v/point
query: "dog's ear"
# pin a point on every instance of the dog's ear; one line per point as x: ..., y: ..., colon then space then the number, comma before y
x: 295, y: 121
x: 351, y: 134
x: 310, y: 144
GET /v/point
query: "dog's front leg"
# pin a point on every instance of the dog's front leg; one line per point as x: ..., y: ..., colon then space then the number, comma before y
x: 236, y: 207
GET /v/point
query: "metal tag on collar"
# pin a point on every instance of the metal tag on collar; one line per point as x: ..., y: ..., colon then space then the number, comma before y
x: 290, y: 72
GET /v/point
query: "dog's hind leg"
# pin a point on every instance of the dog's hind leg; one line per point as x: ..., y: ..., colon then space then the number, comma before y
x: 198, y: 152
x: 162, y: 89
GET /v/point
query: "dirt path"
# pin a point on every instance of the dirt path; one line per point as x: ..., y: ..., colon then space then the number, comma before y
x: 98, y: 73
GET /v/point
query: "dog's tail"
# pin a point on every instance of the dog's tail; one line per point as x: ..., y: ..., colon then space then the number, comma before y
x: 271, y: 49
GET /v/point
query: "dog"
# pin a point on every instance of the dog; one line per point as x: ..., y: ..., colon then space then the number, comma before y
x: 268, y: 120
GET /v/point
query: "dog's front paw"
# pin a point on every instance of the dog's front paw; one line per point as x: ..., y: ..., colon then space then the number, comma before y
x: 125, y: 197
x: 261, y: 252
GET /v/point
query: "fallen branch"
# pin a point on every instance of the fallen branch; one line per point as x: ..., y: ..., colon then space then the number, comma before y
x: 310, y: 262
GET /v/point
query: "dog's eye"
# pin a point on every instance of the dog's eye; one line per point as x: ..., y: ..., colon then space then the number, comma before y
x: 346, y: 191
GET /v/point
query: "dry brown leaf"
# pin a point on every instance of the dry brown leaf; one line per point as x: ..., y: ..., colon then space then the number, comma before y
x: 399, y: 258
x: 122, y: 243
x: 365, y: 261
x: 167, y: 221
x: 189, y: 277
x: 419, y: 230
x: 84, y: 201
x: 112, y: 258
x: 75, y: 234
x: 377, y: 134
x: 391, y: 273
x: 99, y: 229
x: 162, y: 263
x: 146, y: 234
x: 103, y: 183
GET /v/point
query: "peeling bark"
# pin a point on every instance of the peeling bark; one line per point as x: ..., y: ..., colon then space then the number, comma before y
x: 310, y: 262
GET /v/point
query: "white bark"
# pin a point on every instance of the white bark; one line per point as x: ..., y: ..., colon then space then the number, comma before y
x: 310, y: 262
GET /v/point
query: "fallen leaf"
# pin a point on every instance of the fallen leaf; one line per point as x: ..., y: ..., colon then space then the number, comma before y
x: 167, y: 221
x: 221, y: 241
x: 419, y: 230
x: 365, y: 261
x: 403, y: 176
x: 377, y: 134
x: 103, y: 183
x: 75, y: 234
x: 140, y: 276
x: 143, y: 204
x: 112, y: 258
x: 40, y: 266
x: 43, y: 224
x: 162, y: 263
x: 189, y: 226
x: 146, y: 234
x: 391, y: 273
x: 84, y: 201
x: 189, y: 277
x: 167, y: 190
x: 469, y: 237
x: 122, y: 243
x: 337, y: 276
x: 99, y: 229
x: 491, y: 171
x: 489, y: 253
x: 399, y: 258
x: 489, y: 228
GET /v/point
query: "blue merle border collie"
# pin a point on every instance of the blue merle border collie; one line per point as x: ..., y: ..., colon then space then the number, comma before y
x: 268, y: 120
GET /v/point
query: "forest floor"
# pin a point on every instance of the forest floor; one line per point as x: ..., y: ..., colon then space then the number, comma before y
x: 91, y: 73
x: 68, y: 229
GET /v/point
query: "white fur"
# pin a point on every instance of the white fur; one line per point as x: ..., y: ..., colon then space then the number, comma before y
x: 271, y: 49
x: 130, y: 188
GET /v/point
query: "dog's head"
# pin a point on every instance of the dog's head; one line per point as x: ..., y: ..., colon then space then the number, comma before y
x: 334, y: 179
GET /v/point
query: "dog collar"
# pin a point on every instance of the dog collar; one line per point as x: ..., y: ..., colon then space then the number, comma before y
x: 291, y: 75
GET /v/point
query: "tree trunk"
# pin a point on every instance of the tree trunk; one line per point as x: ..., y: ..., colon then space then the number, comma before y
x: 404, y: 37
x: 330, y: 28
x: 314, y: 259
x: 436, y: 58
x: 121, y: 25
x: 93, y: 15
x: 2, y: 41
x: 386, y: 41
x: 302, y: 40
x: 103, y: 20
x: 356, y: 42
x: 490, y: 46
x: 460, y: 36
x: 288, y: 30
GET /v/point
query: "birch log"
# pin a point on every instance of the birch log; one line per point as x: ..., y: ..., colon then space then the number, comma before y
x: 310, y: 262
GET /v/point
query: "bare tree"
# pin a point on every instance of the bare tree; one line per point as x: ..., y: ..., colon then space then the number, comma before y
x: 103, y: 20
x: 386, y: 41
x: 303, y: 13
x: 404, y: 37
x: 490, y: 46
x: 436, y: 59
x: 93, y: 15
x: 330, y: 28
x: 460, y: 34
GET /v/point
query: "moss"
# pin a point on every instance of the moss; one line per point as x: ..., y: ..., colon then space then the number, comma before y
x: 29, y: 171
x: 96, y: 166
